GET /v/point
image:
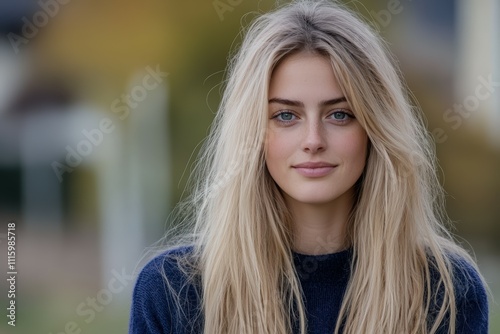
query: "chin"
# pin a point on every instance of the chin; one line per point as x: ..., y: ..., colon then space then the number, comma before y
x: 314, y: 198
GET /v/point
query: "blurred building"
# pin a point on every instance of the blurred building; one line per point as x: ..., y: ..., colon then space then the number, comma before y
x: 70, y: 167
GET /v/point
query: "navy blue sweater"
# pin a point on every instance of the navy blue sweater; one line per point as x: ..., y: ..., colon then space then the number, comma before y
x: 323, y: 278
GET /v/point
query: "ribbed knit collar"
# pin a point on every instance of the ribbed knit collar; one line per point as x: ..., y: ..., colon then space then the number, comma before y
x: 331, y: 268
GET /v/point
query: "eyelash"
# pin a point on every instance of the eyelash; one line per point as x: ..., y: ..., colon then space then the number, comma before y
x: 341, y: 122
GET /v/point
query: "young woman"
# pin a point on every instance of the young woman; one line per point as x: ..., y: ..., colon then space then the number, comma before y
x: 317, y: 207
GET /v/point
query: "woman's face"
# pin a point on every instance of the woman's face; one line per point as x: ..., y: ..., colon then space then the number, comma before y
x: 315, y: 148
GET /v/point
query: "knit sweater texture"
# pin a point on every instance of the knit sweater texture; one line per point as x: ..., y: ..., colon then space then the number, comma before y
x: 155, y: 306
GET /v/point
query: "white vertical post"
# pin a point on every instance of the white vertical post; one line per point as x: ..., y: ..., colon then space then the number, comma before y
x: 478, y: 49
x: 149, y: 163
x: 134, y: 183
x: 495, y: 125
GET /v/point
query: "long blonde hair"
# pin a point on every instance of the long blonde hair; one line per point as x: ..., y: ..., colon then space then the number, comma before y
x: 241, y: 228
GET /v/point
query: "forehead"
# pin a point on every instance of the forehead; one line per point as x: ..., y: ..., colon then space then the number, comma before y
x: 304, y: 76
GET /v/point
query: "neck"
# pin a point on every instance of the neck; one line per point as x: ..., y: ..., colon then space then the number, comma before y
x: 320, y: 228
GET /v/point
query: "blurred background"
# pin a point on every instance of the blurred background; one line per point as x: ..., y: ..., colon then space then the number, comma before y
x: 103, y: 105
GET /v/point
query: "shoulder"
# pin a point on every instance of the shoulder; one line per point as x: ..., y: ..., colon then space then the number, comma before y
x: 471, y: 297
x: 167, y: 269
x: 471, y: 301
x: 169, y: 266
x: 164, y: 291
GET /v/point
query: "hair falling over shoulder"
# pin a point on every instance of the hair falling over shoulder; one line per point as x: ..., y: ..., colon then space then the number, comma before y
x: 241, y: 229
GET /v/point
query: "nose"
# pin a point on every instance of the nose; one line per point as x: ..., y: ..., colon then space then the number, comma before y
x: 314, y: 137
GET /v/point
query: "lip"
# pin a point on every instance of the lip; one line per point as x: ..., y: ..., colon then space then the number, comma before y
x: 314, y: 169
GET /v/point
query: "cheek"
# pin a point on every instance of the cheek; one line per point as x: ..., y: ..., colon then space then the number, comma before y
x: 277, y: 147
x: 354, y: 147
x: 280, y: 149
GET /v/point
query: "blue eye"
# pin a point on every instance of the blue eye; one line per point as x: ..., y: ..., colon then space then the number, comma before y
x: 285, y: 116
x: 340, y: 115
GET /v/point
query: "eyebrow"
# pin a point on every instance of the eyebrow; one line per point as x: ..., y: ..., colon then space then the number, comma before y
x: 294, y: 103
